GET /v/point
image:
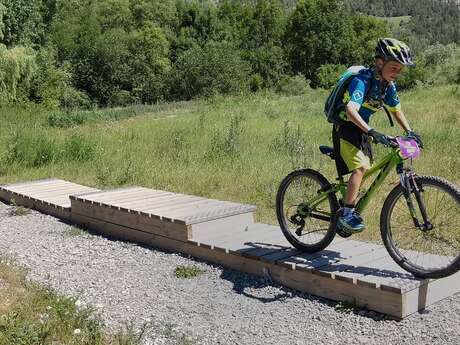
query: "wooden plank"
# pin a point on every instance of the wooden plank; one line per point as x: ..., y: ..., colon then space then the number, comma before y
x: 210, y: 205
x: 177, y: 204
x: 151, y: 198
x: 219, y: 213
x: 251, y: 240
x: 152, y: 201
x: 135, y: 220
x: 219, y: 237
x: 283, y: 254
x: 63, y: 190
x: 222, y: 226
x: 59, y: 199
x: 332, y: 254
x: 53, y: 210
x: 355, y: 267
x: 107, y: 195
x: 40, y: 188
x: 183, y: 210
x: 118, y: 199
x: 235, y: 241
x: 60, y: 193
x: 388, y: 275
x: 49, y: 185
x: 158, y: 206
x: 28, y: 183
x: 429, y: 293
x: 361, y: 296
x: 280, y: 255
x: 264, y: 249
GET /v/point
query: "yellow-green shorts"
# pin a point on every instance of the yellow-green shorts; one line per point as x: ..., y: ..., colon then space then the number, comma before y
x: 352, y: 148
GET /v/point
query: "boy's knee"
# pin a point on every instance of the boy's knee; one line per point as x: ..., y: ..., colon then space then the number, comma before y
x: 360, y: 171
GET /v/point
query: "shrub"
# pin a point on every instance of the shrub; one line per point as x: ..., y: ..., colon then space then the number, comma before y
x: 17, y: 68
x: 293, y: 85
x: 217, y: 68
x: 328, y: 75
x: 52, y: 84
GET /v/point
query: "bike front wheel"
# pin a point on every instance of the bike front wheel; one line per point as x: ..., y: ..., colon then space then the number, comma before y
x: 306, y: 212
x: 426, y: 241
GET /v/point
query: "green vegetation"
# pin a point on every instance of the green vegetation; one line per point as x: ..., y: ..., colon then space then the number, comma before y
x: 82, y: 54
x: 431, y: 21
x: 210, y: 144
x: 74, y: 231
x: 17, y: 210
x: 186, y: 272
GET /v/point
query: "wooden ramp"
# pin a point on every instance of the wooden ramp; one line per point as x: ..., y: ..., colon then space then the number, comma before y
x: 50, y: 196
x: 176, y: 216
x: 225, y: 233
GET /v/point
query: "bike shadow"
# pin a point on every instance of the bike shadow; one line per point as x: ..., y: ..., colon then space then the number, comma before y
x: 267, y: 290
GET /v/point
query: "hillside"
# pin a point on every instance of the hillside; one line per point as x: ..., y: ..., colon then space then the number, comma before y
x: 431, y: 20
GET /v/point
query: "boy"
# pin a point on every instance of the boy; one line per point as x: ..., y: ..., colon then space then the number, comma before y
x: 351, y: 137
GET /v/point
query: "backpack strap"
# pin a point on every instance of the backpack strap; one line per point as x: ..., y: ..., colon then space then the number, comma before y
x: 368, y: 87
x: 392, y: 124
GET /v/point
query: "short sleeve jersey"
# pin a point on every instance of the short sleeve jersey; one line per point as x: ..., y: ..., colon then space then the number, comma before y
x: 379, y: 92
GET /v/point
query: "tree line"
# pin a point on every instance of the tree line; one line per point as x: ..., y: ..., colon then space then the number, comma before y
x: 82, y: 53
x: 430, y: 20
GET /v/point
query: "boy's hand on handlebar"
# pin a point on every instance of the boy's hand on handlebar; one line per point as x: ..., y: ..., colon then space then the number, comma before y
x: 416, y: 137
x: 380, y: 138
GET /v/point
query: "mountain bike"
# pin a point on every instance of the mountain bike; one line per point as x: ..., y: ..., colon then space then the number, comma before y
x: 419, y: 220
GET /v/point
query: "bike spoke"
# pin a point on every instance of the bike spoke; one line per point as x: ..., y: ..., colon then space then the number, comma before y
x: 427, y: 248
x: 307, y: 213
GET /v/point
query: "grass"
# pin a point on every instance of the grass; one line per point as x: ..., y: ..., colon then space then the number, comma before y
x: 186, y: 272
x: 210, y: 144
x: 35, y: 315
x: 74, y: 232
x: 396, y: 21
x: 17, y: 210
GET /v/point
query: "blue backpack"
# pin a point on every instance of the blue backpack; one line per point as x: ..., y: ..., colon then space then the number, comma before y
x: 334, y: 103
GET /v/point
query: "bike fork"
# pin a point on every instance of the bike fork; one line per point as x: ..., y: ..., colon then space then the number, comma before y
x: 410, y: 186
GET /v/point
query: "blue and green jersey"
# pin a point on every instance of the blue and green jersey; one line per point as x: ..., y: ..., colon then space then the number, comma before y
x: 380, y: 93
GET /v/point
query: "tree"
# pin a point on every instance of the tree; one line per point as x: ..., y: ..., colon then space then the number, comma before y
x: 213, y: 69
x: 22, y: 22
x: 318, y: 32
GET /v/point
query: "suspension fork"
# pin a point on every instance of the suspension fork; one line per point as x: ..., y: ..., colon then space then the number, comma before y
x: 407, y: 178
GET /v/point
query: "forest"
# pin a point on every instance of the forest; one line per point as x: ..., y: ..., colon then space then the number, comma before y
x: 66, y: 54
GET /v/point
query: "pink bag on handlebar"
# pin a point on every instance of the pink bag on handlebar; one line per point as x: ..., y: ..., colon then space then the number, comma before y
x: 408, y: 147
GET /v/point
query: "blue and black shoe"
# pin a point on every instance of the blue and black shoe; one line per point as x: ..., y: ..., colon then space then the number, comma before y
x: 350, y: 224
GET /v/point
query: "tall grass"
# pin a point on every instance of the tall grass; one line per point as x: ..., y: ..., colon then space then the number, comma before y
x: 229, y: 148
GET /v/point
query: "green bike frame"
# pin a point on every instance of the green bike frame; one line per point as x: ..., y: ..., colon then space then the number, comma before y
x: 382, y: 168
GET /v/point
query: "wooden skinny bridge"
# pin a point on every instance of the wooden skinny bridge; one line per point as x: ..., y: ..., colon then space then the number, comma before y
x: 225, y: 233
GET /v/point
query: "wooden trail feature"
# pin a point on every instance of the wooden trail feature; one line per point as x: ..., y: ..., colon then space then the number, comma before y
x: 225, y: 233
x: 50, y: 196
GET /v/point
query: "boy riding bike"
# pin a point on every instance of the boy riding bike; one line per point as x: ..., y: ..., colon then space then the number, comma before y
x: 367, y: 92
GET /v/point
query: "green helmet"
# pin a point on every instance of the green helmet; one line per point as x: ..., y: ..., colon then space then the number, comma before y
x: 392, y: 49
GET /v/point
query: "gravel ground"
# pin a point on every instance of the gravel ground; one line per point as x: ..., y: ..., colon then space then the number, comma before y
x: 127, y: 283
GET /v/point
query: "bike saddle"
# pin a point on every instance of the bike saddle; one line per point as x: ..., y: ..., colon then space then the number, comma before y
x: 327, y: 150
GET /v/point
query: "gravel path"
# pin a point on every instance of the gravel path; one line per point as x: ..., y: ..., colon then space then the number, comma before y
x: 129, y: 283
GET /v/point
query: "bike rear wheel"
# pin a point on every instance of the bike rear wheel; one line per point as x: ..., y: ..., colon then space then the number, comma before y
x: 306, y: 217
x: 428, y: 249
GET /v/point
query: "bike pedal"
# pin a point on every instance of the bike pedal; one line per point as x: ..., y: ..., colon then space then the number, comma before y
x: 343, y: 233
